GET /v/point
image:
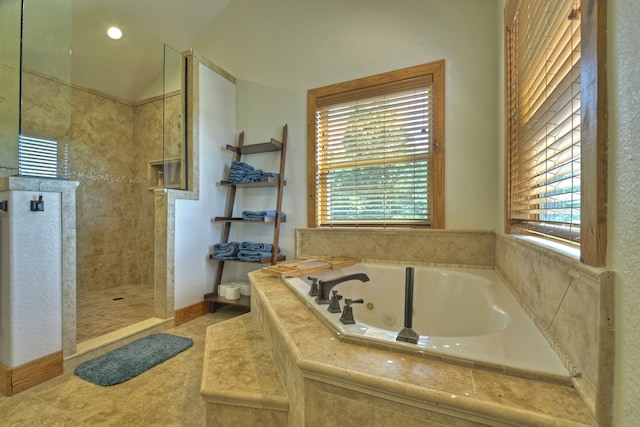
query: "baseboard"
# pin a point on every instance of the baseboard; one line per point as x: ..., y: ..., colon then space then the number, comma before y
x: 20, y: 378
x: 186, y: 314
x: 5, y: 380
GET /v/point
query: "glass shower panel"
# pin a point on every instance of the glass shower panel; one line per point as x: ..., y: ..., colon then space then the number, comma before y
x: 45, y: 117
x: 10, y: 18
x: 174, y: 171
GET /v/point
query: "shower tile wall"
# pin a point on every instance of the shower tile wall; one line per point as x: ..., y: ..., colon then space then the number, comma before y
x: 115, y: 216
x: 8, y: 120
x: 45, y: 108
x: 111, y: 142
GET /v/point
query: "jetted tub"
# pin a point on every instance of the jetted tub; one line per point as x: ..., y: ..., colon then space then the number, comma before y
x: 462, y: 313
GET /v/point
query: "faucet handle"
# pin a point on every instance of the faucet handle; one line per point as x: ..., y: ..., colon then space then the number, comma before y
x: 314, y: 291
x: 347, y: 313
x: 334, y: 303
x: 349, y: 301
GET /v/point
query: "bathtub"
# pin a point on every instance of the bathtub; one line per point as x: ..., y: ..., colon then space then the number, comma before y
x: 466, y: 314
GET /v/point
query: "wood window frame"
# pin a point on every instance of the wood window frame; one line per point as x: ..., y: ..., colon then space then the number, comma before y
x: 593, y: 233
x: 436, y: 70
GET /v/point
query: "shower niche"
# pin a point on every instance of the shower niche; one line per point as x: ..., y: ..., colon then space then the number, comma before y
x: 166, y: 173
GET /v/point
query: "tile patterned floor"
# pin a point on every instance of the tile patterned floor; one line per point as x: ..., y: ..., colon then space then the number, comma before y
x: 106, y: 310
x: 166, y: 395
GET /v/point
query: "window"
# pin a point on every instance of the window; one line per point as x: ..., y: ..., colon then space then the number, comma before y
x: 556, y: 164
x: 377, y: 150
x: 40, y: 157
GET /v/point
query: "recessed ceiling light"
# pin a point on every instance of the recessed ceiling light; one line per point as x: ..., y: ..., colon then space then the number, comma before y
x: 114, y: 33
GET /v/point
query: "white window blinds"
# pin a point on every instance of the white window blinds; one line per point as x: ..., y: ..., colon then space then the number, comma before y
x: 544, y: 118
x: 42, y: 157
x: 374, y: 155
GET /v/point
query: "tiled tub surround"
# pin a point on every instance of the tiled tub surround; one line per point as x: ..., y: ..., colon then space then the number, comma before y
x: 327, y: 379
x: 466, y: 314
x: 423, y: 247
x: 571, y: 303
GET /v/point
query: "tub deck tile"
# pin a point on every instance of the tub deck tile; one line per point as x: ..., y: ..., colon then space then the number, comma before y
x: 549, y: 399
x: 239, y: 376
x: 494, y: 397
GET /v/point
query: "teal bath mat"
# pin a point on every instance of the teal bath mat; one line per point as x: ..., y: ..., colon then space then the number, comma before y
x: 131, y: 360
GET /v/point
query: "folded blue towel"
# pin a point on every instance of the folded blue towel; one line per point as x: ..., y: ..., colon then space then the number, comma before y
x: 244, y: 172
x: 272, y: 214
x: 253, y: 215
x: 222, y: 247
x: 237, y: 171
x: 258, y: 247
x: 226, y: 250
x: 225, y: 257
x: 249, y: 255
x: 245, y: 251
x: 251, y: 251
x: 253, y: 176
x: 260, y: 215
x: 242, y: 166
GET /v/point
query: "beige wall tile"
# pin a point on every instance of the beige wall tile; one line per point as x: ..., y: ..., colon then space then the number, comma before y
x: 324, y: 409
x: 572, y: 304
x: 384, y: 418
x: 429, y: 247
x: 111, y: 166
x: 232, y: 416
x: 533, y: 396
x: 110, y: 144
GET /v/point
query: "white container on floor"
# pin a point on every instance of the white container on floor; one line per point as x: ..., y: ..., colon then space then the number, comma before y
x: 232, y: 292
x: 245, y: 289
x: 222, y: 289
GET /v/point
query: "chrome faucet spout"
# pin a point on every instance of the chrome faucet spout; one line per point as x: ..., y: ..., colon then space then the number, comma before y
x: 326, y: 286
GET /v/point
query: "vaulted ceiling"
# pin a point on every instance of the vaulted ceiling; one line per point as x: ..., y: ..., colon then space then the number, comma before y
x: 127, y: 68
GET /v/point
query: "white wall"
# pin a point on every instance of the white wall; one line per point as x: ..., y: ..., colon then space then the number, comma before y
x: 280, y: 49
x: 194, y: 232
x: 623, y: 224
x: 31, y: 278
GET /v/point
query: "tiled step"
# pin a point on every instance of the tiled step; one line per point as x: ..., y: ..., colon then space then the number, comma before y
x: 240, y: 382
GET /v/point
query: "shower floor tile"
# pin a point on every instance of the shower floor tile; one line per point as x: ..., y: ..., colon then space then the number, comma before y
x: 107, y: 310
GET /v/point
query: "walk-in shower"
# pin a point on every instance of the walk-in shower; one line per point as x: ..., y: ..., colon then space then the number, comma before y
x: 119, y: 146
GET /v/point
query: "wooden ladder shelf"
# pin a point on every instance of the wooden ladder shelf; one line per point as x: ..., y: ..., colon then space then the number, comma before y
x: 240, y: 150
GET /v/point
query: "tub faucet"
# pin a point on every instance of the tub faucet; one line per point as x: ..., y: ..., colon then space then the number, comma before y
x: 347, y: 313
x: 325, y: 286
x: 313, y: 290
x: 334, y: 303
x: 407, y: 334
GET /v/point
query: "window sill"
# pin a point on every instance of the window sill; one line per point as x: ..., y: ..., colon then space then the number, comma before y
x: 562, y: 248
